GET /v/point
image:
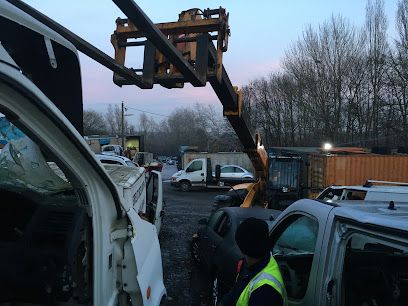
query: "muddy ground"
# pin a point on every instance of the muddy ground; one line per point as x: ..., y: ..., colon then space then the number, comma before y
x: 186, y: 284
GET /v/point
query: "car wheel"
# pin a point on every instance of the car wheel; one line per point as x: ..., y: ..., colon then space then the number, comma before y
x: 185, y: 186
x: 195, y: 253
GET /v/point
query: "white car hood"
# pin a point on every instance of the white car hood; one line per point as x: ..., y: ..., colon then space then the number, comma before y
x: 178, y: 173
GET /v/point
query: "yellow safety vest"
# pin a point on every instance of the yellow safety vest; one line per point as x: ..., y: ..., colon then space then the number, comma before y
x: 270, y: 275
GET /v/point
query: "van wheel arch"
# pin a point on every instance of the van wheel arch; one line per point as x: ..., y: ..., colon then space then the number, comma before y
x: 185, y: 186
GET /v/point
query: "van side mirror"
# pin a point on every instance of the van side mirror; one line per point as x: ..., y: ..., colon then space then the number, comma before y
x: 203, y: 221
x: 217, y: 172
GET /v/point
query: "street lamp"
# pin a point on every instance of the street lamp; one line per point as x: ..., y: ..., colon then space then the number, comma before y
x: 327, y: 146
x: 123, y: 124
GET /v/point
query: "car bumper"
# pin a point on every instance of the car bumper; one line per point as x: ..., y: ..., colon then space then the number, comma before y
x: 175, y: 183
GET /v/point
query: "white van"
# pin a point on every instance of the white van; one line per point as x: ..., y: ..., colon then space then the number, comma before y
x: 112, y: 150
x: 371, y: 191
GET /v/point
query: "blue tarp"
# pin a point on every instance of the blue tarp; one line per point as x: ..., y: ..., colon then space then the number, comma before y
x: 8, y: 131
x: 104, y: 141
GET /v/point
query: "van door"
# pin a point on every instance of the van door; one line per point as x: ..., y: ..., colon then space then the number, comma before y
x: 196, y: 172
x: 154, y: 199
x: 47, y: 162
x: 298, y: 242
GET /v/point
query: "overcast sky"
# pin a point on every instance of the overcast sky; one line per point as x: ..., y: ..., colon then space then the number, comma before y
x: 261, y: 31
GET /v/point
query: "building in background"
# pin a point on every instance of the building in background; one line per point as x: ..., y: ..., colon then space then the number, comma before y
x: 135, y: 143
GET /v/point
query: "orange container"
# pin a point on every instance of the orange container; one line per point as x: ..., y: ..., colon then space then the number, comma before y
x: 356, y: 169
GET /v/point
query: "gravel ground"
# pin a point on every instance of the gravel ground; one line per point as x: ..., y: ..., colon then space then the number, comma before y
x: 185, y: 283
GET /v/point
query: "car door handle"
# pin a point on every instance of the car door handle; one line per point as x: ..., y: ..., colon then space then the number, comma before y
x: 202, y: 174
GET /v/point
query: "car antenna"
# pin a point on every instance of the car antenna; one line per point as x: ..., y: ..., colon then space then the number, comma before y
x: 391, y: 206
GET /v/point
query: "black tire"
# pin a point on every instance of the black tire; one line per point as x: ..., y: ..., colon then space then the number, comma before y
x: 195, y: 254
x: 185, y: 186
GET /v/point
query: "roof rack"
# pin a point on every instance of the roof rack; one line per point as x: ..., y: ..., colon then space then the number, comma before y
x: 370, y: 183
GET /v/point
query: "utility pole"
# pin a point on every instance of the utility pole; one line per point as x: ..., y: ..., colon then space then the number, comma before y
x: 123, y: 126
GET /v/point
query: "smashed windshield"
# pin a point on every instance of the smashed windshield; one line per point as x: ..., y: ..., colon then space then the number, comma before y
x: 22, y: 163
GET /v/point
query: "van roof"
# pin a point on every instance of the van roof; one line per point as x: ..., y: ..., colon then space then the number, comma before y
x: 366, y: 213
x: 375, y: 213
x: 377, y: 188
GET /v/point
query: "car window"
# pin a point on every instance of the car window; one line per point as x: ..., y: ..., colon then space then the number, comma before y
x: 224, y: 225
x: 107, y: 149
x: 294, y: 250
x: 32, y: 185
x: 195, y: 166
x: 355, y: 195
x: 227, y: 169
x: 238, y: 170
x: 374, y: 272
x: 283, y: 172
x: 331, y: 195
x: 215, y: 220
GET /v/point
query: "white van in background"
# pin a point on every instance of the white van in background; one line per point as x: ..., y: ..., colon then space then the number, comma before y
x: 112, y: 150
x: 370, y: 191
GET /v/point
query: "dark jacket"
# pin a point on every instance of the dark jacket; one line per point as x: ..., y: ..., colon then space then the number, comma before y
x: 263, y: 296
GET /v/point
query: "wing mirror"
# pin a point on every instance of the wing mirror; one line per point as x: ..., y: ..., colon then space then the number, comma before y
x: 203, y: 221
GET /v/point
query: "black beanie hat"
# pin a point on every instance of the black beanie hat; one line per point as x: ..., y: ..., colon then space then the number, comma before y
x: 252, y: 237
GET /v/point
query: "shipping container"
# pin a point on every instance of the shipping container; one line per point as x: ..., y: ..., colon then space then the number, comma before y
x: 355, y: 169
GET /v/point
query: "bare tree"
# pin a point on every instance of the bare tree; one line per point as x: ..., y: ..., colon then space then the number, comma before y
x: 114, y: 119
x: 94, y: 123
x: 398, y: 76
x: 377, y: 50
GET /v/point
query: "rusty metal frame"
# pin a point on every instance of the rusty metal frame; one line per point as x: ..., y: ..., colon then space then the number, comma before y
x: 160, y: 41
x: 164, y: 38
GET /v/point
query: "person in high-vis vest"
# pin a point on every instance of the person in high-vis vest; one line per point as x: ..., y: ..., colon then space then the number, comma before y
x: 259, y: 282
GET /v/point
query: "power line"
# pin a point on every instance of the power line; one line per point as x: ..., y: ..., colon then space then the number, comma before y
x: 143, y: 111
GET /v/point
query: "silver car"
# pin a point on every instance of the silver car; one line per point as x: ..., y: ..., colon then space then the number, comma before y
x: 235, y: 173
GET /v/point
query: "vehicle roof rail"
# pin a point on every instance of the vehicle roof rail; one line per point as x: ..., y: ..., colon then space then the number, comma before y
x: 371, y: 182
x: 368, y: 183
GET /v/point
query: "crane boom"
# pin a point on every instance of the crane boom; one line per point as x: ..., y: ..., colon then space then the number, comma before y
x: 190, y: 39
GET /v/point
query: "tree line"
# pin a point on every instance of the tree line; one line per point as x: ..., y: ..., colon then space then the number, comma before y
x: 338, y: 83
x: 198, y: 125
